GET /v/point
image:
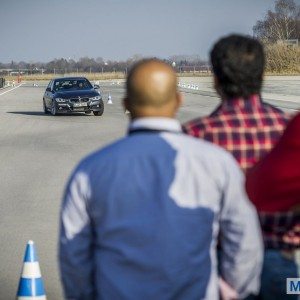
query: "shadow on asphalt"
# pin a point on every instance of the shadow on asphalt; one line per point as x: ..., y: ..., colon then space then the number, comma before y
x: 40, y: 113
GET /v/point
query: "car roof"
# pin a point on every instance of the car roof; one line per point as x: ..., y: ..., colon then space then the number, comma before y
x: 69, y: 78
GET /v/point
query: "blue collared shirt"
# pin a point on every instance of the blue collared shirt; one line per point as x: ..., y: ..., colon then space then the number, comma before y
x: 141, y: 217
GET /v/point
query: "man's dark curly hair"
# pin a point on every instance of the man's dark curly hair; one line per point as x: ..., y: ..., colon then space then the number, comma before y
x: 238, y: 63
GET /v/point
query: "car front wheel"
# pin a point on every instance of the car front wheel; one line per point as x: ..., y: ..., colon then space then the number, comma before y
x: 101, y: 109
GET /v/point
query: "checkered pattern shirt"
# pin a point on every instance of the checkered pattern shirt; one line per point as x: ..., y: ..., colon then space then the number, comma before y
x: 246, y: 128
x: 276, y: 225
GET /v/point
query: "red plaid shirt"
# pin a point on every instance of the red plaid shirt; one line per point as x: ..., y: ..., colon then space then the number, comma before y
x: 246, y: 128
x: 276, y: 225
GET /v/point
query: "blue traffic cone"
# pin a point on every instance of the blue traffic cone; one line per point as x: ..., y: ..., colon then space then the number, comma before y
x: 31, y: 285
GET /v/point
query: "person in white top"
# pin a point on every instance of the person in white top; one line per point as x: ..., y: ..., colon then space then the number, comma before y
x: 141, y: 217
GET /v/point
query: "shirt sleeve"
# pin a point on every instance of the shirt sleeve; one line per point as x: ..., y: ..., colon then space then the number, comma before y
x: 75, y: 241
x: 240, y: 236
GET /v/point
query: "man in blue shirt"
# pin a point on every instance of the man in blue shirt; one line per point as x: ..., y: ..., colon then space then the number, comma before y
x: 140, y: 218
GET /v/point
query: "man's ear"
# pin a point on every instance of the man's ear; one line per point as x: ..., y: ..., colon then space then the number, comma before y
x: 216, y: 82
x: 127, y: 108
x: 126, y: 103
x: 217, y: 86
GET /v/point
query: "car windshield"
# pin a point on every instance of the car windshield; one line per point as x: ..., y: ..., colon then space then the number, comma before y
x: 71, y: 84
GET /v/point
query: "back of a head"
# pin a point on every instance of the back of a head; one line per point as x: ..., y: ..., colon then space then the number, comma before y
x: 238, y: 64
x: 151, y: 85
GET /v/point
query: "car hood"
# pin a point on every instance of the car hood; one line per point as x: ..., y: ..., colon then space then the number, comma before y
x: 77, y: 93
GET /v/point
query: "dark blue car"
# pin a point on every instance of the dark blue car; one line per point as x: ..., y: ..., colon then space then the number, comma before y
x: 72, y: 94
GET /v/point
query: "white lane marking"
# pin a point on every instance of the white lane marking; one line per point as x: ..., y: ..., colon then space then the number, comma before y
x: 11, y: 89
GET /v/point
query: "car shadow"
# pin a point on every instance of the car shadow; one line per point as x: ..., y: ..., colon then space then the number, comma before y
x: 40, y: 113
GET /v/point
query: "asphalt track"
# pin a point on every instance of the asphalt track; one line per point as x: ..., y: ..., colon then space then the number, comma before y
x: 37, y: 154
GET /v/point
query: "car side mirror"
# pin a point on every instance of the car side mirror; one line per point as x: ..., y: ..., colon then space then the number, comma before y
x: 96, y: 86
x: 48, y: 89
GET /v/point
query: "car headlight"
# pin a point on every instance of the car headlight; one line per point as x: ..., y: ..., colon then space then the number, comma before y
x: 95, y: 98
x: 60, y: 100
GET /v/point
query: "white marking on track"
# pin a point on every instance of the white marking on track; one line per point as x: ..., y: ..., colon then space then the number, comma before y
x: 11, y: 89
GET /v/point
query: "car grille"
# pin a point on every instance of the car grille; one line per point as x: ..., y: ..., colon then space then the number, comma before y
x: 76, y: 100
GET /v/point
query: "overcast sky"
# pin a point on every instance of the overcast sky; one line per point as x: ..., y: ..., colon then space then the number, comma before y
x: 41, y: 30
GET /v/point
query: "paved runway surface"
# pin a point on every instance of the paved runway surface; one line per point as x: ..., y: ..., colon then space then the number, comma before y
x: 37, y: 154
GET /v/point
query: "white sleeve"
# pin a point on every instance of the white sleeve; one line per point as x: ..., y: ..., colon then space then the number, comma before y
x: 75, y: 241
x: 240, y: 236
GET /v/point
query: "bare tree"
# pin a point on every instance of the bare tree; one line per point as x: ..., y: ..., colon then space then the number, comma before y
x: 280, y: 24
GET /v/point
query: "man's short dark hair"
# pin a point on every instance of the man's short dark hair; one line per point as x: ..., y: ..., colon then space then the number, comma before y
x: 238, y: 63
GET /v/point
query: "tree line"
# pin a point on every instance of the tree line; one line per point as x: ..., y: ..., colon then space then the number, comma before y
x: 97, y: 65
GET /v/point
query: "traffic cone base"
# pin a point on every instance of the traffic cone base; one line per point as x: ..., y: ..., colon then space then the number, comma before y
x: 31, y: 287
x: 33, y: 298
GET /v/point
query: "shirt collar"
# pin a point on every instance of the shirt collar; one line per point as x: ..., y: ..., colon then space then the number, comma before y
x: 156, y: 123
x: 253, y: 101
